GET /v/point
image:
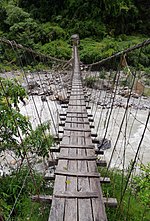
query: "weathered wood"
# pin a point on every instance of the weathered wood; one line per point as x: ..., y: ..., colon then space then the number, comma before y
x: 77, y: 191
x: 76, y: 111
x: 74, y: 105
x: 74, y: 99
x: 76, y: 174
x: 77, y: 146
x: 71, y: 209
x: 97, y: 204
x: 58, y: 205
x: 79, y: 117
x: 74, y: 94
x: 110, y: 202
x: 81, y: 195
x: 77, y: 122
x: 77, y: 157
x: 77, y: 129
x: 85, y: 210
x: 42, y: 198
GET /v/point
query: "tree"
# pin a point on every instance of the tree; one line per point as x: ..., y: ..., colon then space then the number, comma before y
x: 16, y: 132
x: 12, y: 123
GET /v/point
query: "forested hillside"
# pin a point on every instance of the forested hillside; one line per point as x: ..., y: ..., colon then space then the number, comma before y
x: 104, y: 26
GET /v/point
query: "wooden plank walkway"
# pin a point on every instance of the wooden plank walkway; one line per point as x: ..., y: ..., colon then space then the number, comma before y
x: 77, y: 192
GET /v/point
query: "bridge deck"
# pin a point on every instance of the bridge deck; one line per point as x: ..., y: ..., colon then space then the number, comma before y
x: 77, y: 192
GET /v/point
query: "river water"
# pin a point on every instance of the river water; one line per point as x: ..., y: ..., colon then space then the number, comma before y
x: 123, y: 147
x: 129, y: 138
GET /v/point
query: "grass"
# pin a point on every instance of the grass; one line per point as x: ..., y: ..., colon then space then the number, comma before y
x: 131, y: 208
x: 24, y: 209
x: 146, y: 91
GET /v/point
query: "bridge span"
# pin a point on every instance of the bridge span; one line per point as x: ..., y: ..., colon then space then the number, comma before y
x: 77, y: 192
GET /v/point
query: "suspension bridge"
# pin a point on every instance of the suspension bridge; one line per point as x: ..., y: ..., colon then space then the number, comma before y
x: 77, y: 193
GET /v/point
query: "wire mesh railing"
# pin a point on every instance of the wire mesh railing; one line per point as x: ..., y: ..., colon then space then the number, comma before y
x: 120, y: 106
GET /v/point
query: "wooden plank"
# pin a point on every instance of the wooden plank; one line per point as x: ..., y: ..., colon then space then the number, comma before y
x: 81, y: 195
x: 77, y: 122
x: 72, y: 99
x: 77, y: 146
x: 81, y: 134
x: 76, y: 174
x: 97, y: 204
x: 58, y: 205
x: 42, y: 198
x: 71, y: 185
x: 77, y: 129
x: 102, y: 179
x: 72, y: 94
x: 77, y: 158
x: 75, y: 105
x: 77, y: 90
x: 84, y: 205
x: 78, y: 117
x: 110, y: 202
x: 76, y: 111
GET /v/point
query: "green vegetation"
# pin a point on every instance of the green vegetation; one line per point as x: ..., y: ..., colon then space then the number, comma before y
x: 146, y: 92
x: 17, y: 135
x: 19, y: 187
x: 11, y: 122
x: 14, y: 126
x: 105, y: 27
x: 90, y: 81
x: 38, y: 141
x: 136, y: 200
x: 134, y: 206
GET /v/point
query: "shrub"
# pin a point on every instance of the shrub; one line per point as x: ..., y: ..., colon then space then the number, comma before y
x: 90, y: 81
x: 12, y: 188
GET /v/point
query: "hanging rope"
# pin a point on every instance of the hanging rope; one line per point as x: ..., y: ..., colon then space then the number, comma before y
x: 19, y: 46
x: 144, y: 43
